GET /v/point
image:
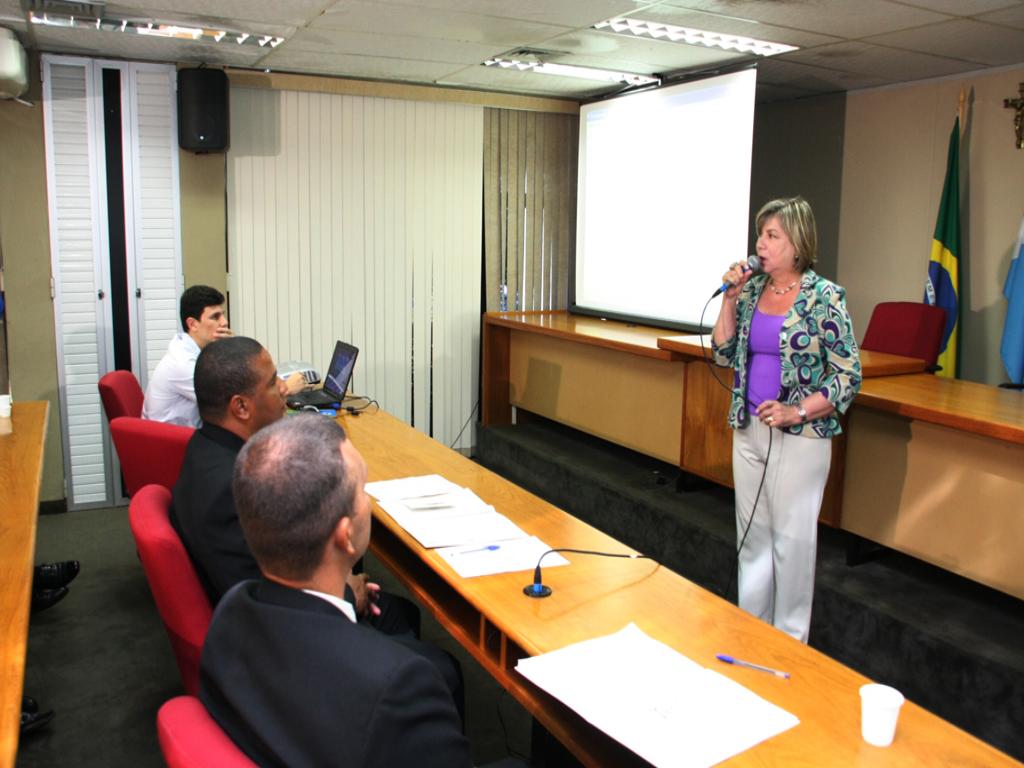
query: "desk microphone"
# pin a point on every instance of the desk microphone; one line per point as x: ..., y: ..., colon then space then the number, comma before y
x: 539, y: 589
x: 753, y: 265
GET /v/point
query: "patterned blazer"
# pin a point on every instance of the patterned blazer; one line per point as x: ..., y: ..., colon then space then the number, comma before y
x: 819, y: 353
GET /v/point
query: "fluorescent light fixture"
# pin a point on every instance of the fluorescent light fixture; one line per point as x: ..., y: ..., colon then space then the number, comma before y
x: 689, y: 36
x: 153, y: 28
x: 569, y: 70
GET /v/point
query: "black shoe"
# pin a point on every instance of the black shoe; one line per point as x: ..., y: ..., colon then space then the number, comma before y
x: 44, y: 598
x: 35, y: 721
x: 30, y: 705
x: 55, y: 575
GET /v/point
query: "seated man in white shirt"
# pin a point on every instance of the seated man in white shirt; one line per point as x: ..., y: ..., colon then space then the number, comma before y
x: 170, y: 395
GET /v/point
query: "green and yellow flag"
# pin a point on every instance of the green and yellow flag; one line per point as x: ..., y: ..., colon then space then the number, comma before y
x: 943, y: 285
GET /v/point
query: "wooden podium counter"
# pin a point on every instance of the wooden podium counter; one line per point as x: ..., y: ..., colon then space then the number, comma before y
x: 603, y: 377
x: 21, y: 470
x: 633, y: 385
x: 935, y: 468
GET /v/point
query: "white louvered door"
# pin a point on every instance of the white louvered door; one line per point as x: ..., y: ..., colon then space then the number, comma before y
x: 79, y: 246
x: 77, y: 239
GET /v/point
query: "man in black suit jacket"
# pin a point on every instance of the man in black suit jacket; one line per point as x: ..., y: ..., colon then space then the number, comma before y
x: 286, y: 670
x: 239, y: 392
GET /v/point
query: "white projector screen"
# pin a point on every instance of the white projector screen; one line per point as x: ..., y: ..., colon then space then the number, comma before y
x: 663, y: 199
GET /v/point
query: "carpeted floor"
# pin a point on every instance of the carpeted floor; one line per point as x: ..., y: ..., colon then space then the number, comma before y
x: 101, y: 659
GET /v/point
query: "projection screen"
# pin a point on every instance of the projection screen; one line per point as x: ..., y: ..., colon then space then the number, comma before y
x: 663, y: 199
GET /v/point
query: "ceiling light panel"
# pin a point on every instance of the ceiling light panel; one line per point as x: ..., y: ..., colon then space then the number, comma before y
x: 690, y: 36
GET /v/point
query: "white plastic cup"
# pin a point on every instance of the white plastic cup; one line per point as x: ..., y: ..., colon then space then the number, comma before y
x: 879, y: 711
x: 5, y: 406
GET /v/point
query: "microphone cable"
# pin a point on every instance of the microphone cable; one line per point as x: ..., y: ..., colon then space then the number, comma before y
x: 764, y: 472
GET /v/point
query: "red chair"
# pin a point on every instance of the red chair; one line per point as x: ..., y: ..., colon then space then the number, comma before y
x: 906, y: 328
x: 190, y: 738
x: 121, y: 395
x: 179, y: 596
x: 149, y: 451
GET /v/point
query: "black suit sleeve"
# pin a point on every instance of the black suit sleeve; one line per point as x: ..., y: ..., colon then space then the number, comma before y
x: 414, y: 721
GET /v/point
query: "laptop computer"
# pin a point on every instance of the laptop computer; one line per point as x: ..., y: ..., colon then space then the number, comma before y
x: 339, y: 373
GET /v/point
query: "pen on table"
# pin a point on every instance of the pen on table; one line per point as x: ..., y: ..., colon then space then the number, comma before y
x: 488, y: 548
x: 740, y: 663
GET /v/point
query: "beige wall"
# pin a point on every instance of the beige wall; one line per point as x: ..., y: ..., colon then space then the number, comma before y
x: 894, y: 162
x: 24, y: 237
x: 203, y: 225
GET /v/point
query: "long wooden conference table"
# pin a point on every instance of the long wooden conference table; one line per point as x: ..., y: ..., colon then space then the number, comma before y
x: 21, y: 471
x: 595, y: 596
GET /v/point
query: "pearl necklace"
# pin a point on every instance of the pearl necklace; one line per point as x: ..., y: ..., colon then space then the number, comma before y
x: 782, y: 291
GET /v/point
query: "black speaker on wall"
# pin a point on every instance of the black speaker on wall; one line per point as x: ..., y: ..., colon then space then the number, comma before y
x: 202, y: 110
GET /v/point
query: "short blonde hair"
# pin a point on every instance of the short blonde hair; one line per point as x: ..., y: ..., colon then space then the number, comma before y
x: 797, y: 221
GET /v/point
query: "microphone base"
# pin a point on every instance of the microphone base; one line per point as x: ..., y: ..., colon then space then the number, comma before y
x: 536, y: 590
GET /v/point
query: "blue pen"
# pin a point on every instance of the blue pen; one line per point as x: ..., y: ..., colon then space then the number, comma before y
x: 741, y: 663
x: 488, y: 548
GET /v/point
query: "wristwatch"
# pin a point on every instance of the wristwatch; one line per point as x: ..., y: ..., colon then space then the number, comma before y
x: 802, y: 413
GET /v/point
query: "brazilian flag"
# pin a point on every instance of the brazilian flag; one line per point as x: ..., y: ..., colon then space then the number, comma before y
x: 944, y: 268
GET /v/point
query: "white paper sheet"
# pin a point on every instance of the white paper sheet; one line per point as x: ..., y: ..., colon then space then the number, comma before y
x: 442, y: 528
x: 665, y: 707
x: 483, y: 558
x: 410, y: 488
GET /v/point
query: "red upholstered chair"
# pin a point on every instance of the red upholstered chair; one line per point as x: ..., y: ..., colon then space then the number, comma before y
x: 190, y: 738
x: 179, y: 596
x: 906, y: 328
x: 149, y: 451
x: 121, y: 395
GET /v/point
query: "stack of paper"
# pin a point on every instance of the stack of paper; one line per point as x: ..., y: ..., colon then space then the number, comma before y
x: 668, y: 709
x: 476, y: 539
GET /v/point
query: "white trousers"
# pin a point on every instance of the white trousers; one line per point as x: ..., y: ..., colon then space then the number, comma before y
x: 777, y: 560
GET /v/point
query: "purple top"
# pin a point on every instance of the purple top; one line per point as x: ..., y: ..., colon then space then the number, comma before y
x: 765, y: 360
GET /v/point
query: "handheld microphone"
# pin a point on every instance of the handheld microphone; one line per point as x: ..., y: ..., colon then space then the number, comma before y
x: 753, y: 265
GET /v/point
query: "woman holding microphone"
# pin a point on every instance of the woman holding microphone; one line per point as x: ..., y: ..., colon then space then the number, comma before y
x: 786, y: 333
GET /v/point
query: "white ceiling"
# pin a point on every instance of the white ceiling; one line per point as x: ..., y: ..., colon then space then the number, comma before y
x: 844, y: 44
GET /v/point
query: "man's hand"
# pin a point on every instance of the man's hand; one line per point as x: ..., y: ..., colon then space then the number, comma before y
x: 294, y: 383
x: 366, y: 593
x: 224, y: 332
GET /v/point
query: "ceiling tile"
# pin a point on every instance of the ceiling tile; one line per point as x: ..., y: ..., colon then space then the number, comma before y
x: 972, y: 41
x: 666, y: 13
x: 841, y: 18
x: 1010, y: 17
x: 438, y: 24
x: 891, y: 63
x: 566, y: 13
x: 964, y: 7
x: 397, y: 46
x: 350, y: 65
x: 776, y: 71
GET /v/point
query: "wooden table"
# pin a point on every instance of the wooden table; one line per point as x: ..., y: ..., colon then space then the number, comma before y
x: 935, y: 468
x: 593, y: 596
x: 21, y: 468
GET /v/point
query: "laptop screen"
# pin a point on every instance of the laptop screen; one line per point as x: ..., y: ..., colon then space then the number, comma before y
x: 340, y: 371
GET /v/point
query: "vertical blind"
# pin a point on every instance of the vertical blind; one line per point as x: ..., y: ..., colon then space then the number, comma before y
x: 529, y: 208
x: 359, y: 218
